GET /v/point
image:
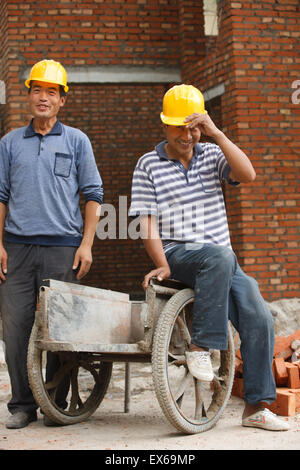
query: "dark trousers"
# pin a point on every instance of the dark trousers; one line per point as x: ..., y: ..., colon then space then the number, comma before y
x: 223, y: 291
x: 28, y: 266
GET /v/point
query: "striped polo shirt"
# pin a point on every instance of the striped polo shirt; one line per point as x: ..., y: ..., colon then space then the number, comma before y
x: 189, y: 204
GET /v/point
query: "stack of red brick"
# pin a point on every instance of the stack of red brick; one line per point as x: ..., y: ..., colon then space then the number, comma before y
x: 286, y: 370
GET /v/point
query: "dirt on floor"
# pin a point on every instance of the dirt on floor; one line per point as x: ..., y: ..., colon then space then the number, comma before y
x: 144, y: 427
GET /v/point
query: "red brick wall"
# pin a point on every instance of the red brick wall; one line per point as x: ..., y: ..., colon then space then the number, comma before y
x: 257, y: 58
x: 84, y: 34
x: 123, y: 123
x: 191, y: 35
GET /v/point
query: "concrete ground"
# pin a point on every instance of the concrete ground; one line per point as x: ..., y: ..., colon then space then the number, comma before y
x: 143, y: 428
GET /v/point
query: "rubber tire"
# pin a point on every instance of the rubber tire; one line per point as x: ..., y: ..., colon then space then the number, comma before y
x: 41, y: 396
x: 162, y: 335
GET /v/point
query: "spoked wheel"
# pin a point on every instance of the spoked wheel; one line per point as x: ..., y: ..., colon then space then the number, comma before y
x: 85, y: 379
x: 190, y: 405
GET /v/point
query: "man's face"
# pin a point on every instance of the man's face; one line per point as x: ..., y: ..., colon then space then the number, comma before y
x: 181, y: 140
x: 45, y: 100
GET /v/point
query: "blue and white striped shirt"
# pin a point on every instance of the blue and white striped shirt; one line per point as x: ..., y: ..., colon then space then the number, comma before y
x: 188, y: 204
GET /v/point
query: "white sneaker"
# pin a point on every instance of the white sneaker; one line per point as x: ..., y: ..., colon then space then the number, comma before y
x: 265, y: 419
x: 199, y: 365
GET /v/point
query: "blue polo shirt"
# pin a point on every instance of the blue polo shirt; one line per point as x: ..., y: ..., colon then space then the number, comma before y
x: 41, y: 178
x: 188, y: 203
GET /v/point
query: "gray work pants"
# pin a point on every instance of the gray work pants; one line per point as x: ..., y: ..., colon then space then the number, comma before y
x: 28, y: 266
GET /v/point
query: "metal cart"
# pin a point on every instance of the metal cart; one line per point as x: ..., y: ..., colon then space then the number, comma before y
x: 89, y: 329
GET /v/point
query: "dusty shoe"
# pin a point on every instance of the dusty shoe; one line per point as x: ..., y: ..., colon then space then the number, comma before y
x: 265, y: 419
x: 199, y: 365
x: 20, y: 419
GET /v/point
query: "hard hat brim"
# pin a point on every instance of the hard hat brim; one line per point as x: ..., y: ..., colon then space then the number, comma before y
x: 175, y: 121
x: 27, y: 83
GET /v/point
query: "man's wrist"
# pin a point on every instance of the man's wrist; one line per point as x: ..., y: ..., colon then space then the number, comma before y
x: 219, y: 137
x: 86, y: 243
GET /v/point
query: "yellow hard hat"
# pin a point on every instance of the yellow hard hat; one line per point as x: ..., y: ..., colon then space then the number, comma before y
x: 179, y: 102
x: 48, y: 71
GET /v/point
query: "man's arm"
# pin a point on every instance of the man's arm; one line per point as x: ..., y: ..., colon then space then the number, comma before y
x: 83, y: 255
x: 241, y: 167
x: 154, y: 248
x: 3, y: 254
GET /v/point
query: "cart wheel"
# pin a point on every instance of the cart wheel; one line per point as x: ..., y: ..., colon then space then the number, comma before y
x: 88, y: 380
x: 192, y: 406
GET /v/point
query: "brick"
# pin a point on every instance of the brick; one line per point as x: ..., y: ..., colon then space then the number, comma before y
x: 293, y: 375
x: 238, y: 387
x: 296, y: 392
x: 294, y: 336
x: 297, y: 363
x: 239, y: 367
x: 282, y: 348
x: 282, y: 345
x: 281, y: 374
x: 285, y: 403
x: 238, y: 354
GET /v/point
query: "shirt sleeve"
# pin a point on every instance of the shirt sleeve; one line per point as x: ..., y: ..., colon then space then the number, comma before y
x: 143, y: 195
x: 89, y: 179
x: 224, y: 168
x: 4, y: 172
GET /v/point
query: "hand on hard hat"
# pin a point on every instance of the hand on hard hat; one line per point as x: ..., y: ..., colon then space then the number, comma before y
x: 48, y: 71
x: 204, y: 123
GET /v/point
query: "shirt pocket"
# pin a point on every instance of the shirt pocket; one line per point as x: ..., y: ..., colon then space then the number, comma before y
x: 62, y: 164
x: 208, y: 181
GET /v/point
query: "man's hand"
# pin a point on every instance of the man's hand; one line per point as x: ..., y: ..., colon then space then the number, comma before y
x: 161, y: 274
x: 3, y: 264
x: 240, y: 165
x: 83, y: 258
x: 204, y: 124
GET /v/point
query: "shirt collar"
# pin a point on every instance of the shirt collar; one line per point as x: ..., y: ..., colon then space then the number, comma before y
x: 30, y: 132
x: 160, y: 149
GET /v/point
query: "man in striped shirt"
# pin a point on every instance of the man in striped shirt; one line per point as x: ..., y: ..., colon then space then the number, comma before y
x: 177, y: 193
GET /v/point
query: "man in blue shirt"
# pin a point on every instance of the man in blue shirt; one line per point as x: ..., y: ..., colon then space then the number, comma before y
x: 43, y: 168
